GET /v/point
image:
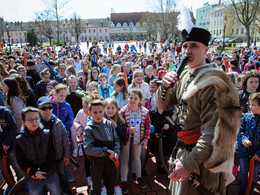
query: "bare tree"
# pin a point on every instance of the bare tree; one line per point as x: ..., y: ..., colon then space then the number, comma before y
x: 164, y: 10
x: 56, y: 9
x: 246, y: 13
x: 76, y: 26
x: 150, y: 20
x: 44, y: 25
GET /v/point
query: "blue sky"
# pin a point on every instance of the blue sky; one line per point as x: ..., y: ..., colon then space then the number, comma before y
x: 23, y: 10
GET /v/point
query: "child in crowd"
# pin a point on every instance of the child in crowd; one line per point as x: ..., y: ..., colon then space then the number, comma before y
x: 64, y: 112
x: 80, y: 123
x: 239, y: 81
x: 162, y: 128
x: 14, y: 100
x: 138, y: 125
x: 111, y: 113
x: 104, y: 89
x: 60, y: 139
x: 161, y: 74
x: 154, y: 86
x: 107, y: 67
x: 138, y: 82
x: 249, y: 144
x: 93, y: 86
x: 41, y: 85
x: 166, y: 66
x: 149, y: 74
x: 51, y: 86
x: 35, y: 153
x: 102, y: 145
x: 116, y: 68
x: 120, y: 93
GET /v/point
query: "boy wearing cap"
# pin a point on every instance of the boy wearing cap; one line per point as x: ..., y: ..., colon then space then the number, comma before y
x: 206, y: 137
x: 60, y: 139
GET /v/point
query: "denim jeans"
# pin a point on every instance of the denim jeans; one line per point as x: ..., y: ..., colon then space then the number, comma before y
x: 51, y: 184
x: 243, y: 176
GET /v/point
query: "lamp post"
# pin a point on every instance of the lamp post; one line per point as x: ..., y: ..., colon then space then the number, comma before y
x: 224, y: 31
x: 21, y: 36
x: 63, y: 25
x: 8, y: 35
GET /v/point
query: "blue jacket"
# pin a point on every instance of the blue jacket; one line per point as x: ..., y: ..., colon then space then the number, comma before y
x: 120, y: 99
x: 8, y: 129
x: 249, y: 129
x: 105, y: 93
x: 2, y: 103
x: 64, y: 112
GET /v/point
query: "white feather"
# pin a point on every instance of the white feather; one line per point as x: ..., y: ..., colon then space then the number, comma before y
x: 184, y: 19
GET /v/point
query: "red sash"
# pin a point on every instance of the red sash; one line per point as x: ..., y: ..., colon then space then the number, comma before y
x: 189, y: 137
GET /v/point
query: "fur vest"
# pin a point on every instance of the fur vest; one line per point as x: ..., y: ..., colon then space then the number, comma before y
x: 229, y: 117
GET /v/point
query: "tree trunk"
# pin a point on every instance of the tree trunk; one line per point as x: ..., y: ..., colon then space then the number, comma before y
x: 248, y: 35
x: 50, y: 40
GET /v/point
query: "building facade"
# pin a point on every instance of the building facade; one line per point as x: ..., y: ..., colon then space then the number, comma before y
x: 127, y: 26
x: 203, y: 16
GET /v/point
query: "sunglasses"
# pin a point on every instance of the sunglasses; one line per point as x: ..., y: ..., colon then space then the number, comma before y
x: 46, y: 108
x: 32, y: 120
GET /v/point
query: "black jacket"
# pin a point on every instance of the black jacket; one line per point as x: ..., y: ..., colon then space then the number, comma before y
x: 158, y: 120
x: 35, y: 152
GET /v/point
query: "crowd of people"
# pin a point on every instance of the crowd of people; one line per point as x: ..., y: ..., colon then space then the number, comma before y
x: 57, y: 103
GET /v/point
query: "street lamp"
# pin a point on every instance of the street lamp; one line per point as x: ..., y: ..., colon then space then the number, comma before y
x: 224, y: 31
x: 21, y: 36
x: 8, y: 35
x: 63, y: 34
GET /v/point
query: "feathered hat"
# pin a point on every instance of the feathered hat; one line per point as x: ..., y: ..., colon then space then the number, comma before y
x: 188, y: 31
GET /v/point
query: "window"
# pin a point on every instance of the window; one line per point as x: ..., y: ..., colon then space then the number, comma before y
x: 220, y: 32
x: 89, y: 31
x: 125, y: 29
x: 232, y: 31
x: 118, y: 25
x: 84, y: 31
x: 242, y: 31
x: 94, y: 30
x: 105, y: 30
x: 237, y: 31
x: 100, y: 30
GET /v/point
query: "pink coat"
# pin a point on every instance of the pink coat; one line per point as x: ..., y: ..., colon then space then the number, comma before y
x: 80, y: 120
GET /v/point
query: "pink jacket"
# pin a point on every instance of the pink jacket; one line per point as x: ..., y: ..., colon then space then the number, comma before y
x: 80, y: 120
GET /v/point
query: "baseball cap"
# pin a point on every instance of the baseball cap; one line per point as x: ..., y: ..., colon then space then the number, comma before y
x: 43, y: 100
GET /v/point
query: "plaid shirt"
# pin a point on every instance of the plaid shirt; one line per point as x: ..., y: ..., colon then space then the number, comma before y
x: 145, y: 123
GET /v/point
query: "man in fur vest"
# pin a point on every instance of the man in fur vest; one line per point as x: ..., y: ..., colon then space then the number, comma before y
x: 208, y: 115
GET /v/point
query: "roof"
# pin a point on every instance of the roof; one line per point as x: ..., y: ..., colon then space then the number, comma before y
x: 126, y: 17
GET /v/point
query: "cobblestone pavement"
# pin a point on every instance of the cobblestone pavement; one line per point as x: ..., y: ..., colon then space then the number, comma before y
x: 156, y: 184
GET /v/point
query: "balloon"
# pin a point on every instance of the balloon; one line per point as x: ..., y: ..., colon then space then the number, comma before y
x: 152, y: 129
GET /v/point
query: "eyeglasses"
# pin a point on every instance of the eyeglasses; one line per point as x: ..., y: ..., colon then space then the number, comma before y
x: 32, y: 120
x: 45, y: 108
